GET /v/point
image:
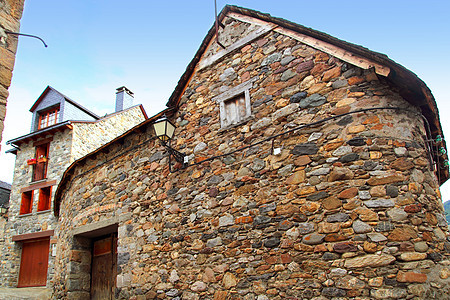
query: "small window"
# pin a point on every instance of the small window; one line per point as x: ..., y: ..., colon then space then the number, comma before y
x: 48, y: 117
x: 26, y: 205
x: 235, y: 111
x: 45, y: 195
x: 40, y: 168
x: 235, y: 105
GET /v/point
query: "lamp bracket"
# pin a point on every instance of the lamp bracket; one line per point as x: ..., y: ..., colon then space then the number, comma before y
x: 179, y: 157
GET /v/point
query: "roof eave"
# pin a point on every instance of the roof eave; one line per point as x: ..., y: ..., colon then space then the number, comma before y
x: 35, y: 134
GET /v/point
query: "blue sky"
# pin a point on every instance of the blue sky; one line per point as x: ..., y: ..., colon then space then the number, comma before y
x: 97, y: 46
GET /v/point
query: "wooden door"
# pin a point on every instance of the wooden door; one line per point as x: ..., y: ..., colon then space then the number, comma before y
x: 103, y: 269
x: 34, y: 263
x: 40, y: 169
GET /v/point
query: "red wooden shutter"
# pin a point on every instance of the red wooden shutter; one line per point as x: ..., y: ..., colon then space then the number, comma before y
x: 26, y: 204
x: 45, y: 195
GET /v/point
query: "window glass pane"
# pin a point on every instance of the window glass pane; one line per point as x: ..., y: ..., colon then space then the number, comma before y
x: 51, y: 118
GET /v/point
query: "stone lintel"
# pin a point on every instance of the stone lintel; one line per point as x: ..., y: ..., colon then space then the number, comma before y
x: 98, y: 228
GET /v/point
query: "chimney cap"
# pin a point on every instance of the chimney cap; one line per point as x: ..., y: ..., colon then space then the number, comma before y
x: 124, y: 88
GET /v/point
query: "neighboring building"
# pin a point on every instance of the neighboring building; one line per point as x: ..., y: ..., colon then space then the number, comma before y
x: 61, y: 132
x: 5, y: 191
x: 311, y: 174
x: 10, y: 15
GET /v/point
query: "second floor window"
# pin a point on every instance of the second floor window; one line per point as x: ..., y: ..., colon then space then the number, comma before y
x: 48, y: 117
x: 40, y: 168
x: 26, y: 206
x: 45, y: 195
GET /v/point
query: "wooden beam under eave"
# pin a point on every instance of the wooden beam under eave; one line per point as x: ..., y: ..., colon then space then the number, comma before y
x: 335, y: 51
x: 105, y: 150
x: 328, y: 48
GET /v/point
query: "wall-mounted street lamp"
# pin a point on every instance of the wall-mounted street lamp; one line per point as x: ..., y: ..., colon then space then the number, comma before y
x: 164, y: 130
x: 3, y: 210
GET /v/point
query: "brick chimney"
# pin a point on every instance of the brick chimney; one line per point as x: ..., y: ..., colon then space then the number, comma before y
x: 124, y: 98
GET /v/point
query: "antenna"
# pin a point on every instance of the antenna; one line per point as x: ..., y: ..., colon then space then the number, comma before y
x: 217, y: 25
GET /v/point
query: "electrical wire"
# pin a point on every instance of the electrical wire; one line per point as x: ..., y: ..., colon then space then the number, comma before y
x: 427, y: 148
x: 298, y: 128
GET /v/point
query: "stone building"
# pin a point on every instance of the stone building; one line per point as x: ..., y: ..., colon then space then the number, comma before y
x: 10, y: 15
x: 307, y: 170
x: 61, y: 132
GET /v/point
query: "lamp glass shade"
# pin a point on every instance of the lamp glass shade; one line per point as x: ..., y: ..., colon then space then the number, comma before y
x: 164, y: 129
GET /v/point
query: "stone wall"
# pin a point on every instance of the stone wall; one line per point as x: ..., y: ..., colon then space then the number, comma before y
x: 350, y: 207
x: 10, y: 15
x: 104, y: 130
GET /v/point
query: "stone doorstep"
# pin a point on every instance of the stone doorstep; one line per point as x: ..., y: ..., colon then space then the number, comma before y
x: 38, y: 293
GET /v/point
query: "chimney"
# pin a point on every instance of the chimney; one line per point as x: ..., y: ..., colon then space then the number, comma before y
x: 124, y: 98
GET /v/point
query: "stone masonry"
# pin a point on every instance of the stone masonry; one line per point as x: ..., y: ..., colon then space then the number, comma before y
x: 348, y: 209
x: 66, y: 147
x: 10, y: 15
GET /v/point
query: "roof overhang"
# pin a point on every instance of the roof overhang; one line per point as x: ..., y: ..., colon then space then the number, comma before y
x: 39, y: 134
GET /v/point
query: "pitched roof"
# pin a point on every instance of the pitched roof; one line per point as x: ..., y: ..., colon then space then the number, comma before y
x: 48, y: 88
x: 63, y: 126
x: 412, y: 88
x: 5, y: 185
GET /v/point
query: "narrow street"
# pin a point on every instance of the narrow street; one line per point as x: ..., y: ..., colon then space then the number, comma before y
x: 37, y: 293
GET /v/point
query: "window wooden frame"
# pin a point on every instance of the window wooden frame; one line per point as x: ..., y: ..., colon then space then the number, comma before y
x: 234, y: 110
x: 26, y: 205
x: 48, y: 117
x: 45, y: 196
x: 239, y: 96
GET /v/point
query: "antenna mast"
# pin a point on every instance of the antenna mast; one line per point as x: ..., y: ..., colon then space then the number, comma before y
x: 217, y: 25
